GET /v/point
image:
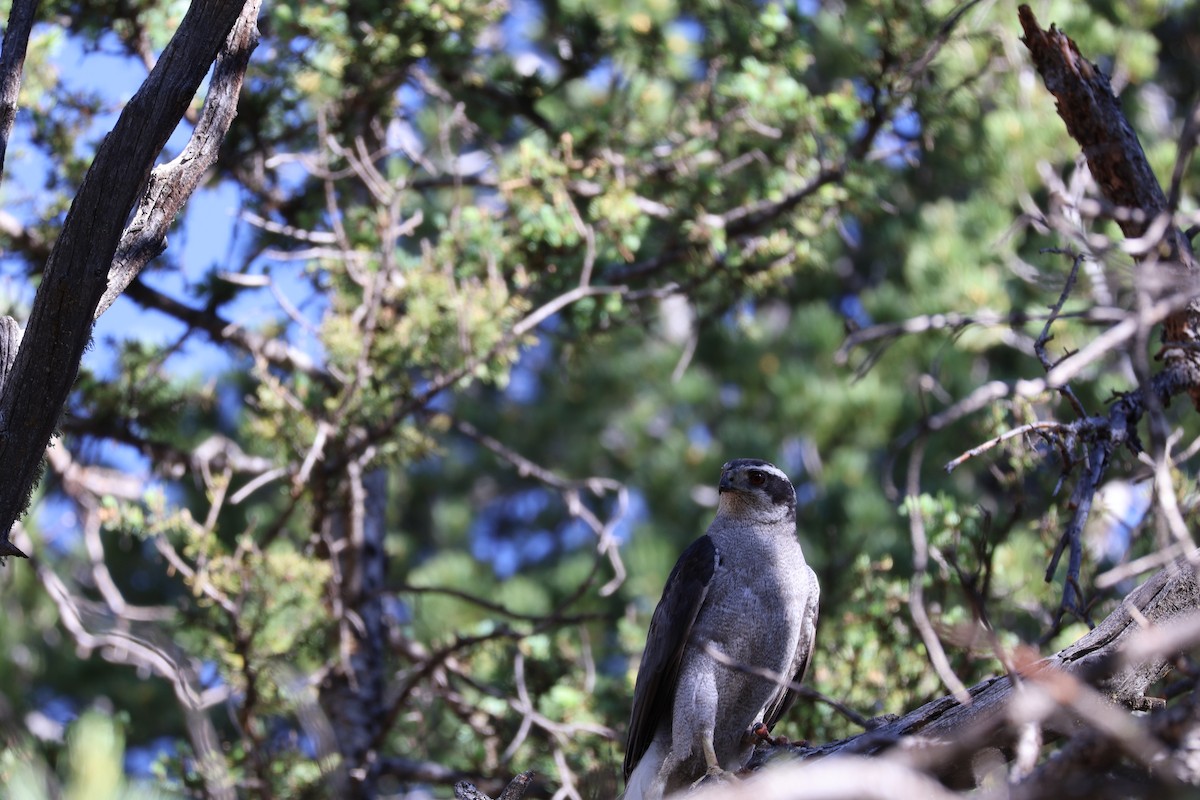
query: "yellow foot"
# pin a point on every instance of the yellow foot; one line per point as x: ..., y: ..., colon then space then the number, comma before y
x: 714, y: 775
x: 758, y: 733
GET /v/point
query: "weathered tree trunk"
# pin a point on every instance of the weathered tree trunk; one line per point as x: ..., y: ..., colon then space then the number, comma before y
x: 1117, y: 659
x: 21, y: 17
x: 353, y: 695
x: 78, y: 269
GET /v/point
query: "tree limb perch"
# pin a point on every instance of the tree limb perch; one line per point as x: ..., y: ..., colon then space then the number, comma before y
x: 947, y: 730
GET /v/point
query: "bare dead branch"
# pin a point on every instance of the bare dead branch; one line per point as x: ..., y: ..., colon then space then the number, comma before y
x: 1039, y: 346
x: 916, y: 598
x: 843, y: 778
x: 606, y: 543
x: 514, y: 791
x: 120, y: 645
x: 1012, y: 433
x: 76, y: 273
x: 12, y: 64
x: 171, y: 184
x: 1188, y: 139
x: 1119, y: 660
x: 952, y: 321
x: 1094, y: 119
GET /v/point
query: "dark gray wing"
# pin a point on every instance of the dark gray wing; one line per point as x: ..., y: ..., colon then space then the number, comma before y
x: 670, y: 629
x: 804, y: 650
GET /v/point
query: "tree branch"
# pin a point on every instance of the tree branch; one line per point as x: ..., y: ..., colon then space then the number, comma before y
x: 1087, y: 691
x: 1120, y: 659
x: 1115, y: 157
x: 514, y: 791
x: 171, y: 184
x: 12, y: 63
x: 273, y: 351
x: 76, y: 273
x: 1167, y: 282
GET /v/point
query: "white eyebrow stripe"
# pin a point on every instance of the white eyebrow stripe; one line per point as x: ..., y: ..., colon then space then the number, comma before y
x: 763, y: 467
x: 776, y: 471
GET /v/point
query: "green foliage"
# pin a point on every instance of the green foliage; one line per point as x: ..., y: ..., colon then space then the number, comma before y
x: 90, y: 767
x: 869, y: 664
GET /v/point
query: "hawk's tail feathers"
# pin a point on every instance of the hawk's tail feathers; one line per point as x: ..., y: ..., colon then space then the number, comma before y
x: 646, y: 782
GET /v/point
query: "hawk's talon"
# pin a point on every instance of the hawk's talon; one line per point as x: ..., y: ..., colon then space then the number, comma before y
x: 714, y: 774
x: 759, y: 733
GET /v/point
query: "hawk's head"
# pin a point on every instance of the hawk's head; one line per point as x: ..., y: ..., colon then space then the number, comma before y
x: 753, y: 487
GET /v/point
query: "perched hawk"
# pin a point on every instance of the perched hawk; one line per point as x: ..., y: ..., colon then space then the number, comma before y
x: 742, y: 590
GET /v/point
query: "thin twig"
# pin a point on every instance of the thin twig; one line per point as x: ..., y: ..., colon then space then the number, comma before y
x: 916, y: 600
x: 1020, y: 430
x: 606, y: 543
x: 495, y: 608
x: 782, y: 680
x: 1039, y: 346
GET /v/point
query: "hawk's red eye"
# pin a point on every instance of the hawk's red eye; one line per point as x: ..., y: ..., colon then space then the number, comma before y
x: 757, y: 477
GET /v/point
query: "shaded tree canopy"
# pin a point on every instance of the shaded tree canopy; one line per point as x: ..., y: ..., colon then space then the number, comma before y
x: 423, y: 329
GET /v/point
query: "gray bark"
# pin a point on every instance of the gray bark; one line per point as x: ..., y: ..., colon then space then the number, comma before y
x: 353, y: 695
x: 77, y: 271
x: 1118, y: 659
x: 12, y: 64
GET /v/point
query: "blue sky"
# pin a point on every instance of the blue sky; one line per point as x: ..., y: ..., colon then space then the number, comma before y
x: 204, y: 240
